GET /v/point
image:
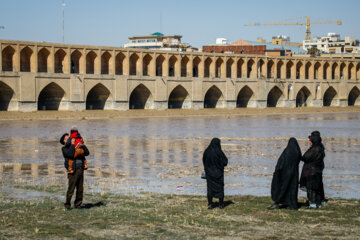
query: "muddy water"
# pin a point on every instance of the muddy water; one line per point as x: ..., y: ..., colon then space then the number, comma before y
x: 165, y: 154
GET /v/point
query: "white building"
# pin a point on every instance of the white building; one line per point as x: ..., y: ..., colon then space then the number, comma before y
x: 333, y: 44
x: 158, y: 41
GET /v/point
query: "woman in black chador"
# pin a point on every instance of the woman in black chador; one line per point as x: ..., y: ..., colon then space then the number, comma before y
x: 214, y: 161
x: 311, y: 175
x: 284, y: 185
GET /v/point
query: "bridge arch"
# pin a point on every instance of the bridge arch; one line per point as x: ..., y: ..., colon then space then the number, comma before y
x: 299, y: 70
x: 133, y: 64
x: 90, y: 62
x: 354, y: 99
x: 342, y: 70
x: 146, y: 65
x: 43, y: 56
x: 105, y: 62
x: 160, y: 65
x: 250, y: 68
x: 75, y: 61
x: 334, y: 71
x: 50, y: 97
x: 244, y: 96
x: 303, y: 97
x: 307, y: 70
x: 60, y: 61
x: 196, y: 62
x: 329, y: 97
x: 97, y: 97
x: 270, y: 69
x: 140, y: 98
x: 184, y: 66
x: 317, y: 67
x: 239, y: 67
x: 213, y: 98
x: 179, y: 98
x: 172, y: 66
x: 25, y: 59
x: 351, y: 71
x: 119, y: 63
x: 274, y: 96
x: 357, y: 71
x: 279, y: 67
x: 207, y: 65
x: 6, y: 95
x: 229, y: 67
x: 326, y: 68
x: 8, y: 54
x: 289, y: 67
x: 218, y: 67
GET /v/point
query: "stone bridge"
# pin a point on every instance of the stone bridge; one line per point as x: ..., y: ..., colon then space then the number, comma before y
x: 47, y: 76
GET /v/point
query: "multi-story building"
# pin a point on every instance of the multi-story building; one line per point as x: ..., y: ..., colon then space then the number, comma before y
x: 158, y: 41
x: 333, y: 44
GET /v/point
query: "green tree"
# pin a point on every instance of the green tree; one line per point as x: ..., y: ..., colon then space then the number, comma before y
x: 314, y: 52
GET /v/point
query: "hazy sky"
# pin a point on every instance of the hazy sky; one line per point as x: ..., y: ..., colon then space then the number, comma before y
x: 200, y: 22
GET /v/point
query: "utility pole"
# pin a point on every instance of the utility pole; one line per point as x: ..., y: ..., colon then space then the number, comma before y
x: 63, y: 22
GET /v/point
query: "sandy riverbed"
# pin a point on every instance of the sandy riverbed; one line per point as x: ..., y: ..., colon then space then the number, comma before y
x: 110, y: 114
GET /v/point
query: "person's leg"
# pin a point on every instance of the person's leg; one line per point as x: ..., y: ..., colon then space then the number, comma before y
x: 221, y: 203
x: 210, y: 202
x: 70, y: 191
x: 79, y: 187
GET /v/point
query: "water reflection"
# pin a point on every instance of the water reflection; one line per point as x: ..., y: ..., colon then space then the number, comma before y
x: 132, y: 155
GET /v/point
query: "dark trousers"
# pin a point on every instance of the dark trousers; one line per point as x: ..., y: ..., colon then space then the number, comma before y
x: 76, y: 180
x: 314, y: 197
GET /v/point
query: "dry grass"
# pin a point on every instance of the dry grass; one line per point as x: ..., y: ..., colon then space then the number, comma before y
x: 175, y: 217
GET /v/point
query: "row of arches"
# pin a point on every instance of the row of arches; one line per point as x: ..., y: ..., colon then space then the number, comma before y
x: 159, y: 64
x: 53, y: 95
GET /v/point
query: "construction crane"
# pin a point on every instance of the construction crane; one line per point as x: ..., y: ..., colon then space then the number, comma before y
x: 307, y: 23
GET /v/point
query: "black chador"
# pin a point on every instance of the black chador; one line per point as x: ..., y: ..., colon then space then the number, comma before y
x: 214, y: 161
x: 284, y: 185
x: 311, y: 175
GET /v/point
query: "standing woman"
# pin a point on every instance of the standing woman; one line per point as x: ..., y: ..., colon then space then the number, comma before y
x: 284, y: 185
x: 311, y: 176
x: 214, y: 161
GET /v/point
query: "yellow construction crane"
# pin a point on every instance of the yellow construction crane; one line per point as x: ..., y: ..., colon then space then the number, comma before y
x: 307, y: 23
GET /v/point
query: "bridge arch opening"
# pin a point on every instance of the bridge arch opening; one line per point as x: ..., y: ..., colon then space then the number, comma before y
x: 354, y: 99
x: 140, y: 98
x: 179, y: 98
x: 134, y: 58
x: 244, y: 97
x: 196, y: 63
x: 105, y: 60
x: 342, y: 70
x: 172, y: 68
x: 279, y: 67
x: 299, y: 67
x: 307, y: 70
x: 25, y: 59
x: 97, y: 97
x: 7, y: 59
x: 43, y: 60
x: 213, y: 98
x: 316, y: 70
x: 334, y: 68
x: 218, y: 66
x: 350, y: 71
x: 325, y: 70
x: 250, y: 68
x: 184, y: 66
x: 90, y: 62
x: 207, y: 67
x: 59, y: 61
x: 159, y: 65
x: 75, y: 61
x: 239, y: 67
x: 357, y: 71
x: 119, y: 64
x: 6, y: 94
x: 274, y: 96
x: 270, y: 69
x: 289, y: 66
x: 50, y: 97
x: 229, y: 67
x: 329, y: 97
x: 303, y: 97
x: 146, y: 64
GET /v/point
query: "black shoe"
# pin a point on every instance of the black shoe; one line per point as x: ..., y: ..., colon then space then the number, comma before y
x: 211, y: 206
x: 68, y: 209
x: 221, y: 206
x: 274, y: 206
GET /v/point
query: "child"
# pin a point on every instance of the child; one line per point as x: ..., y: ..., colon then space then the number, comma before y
x: 79, y: 151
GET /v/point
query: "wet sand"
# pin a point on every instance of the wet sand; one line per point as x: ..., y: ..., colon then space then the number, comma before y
x: 111, y: 114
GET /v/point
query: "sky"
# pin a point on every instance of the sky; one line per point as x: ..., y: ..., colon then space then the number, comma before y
x: 200, y: 22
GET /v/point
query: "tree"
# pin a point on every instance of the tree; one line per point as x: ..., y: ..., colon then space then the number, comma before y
x: 314, y: 52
